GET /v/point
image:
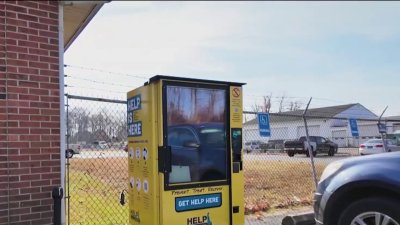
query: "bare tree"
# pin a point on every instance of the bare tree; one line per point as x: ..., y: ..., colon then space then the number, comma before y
x: 295, y: 105
x: 267, y: 103
x: 281, y: 103
x: 256, y: 108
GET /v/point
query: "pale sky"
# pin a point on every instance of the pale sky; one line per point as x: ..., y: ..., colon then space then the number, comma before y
x: 336, y: 52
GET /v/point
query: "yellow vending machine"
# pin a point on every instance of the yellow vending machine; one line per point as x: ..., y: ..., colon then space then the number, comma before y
x: 185, y: 152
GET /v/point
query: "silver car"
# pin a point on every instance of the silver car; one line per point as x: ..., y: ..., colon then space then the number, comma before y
x: 375, y: 146
x: 252, y: 146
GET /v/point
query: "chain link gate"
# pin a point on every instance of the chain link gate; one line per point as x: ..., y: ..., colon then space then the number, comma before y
x: 97, y: 166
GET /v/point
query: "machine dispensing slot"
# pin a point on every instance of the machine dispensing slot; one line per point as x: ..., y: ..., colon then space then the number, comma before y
x: 236, y: 134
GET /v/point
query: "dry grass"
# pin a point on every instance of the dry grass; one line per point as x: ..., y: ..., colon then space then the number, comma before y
x: 112, y: 171
x: 95, y: 186
x: 278, y: 184
x: 269, y: 185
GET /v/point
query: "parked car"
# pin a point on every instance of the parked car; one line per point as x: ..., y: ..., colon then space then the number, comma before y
x: 394, y: 137
x: 318, y: 145
x: 252, y: 146
x: 72, y: 150
x: 360, y: 191
x: 374, y: 146
x: 99, y: 145
x: 276, y: 144
x: 124, y: 145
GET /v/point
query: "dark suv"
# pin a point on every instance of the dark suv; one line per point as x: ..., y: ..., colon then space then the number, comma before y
x: 318, y: 145
x: 360, y: 191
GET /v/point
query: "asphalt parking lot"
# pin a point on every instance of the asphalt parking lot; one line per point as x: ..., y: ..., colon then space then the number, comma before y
x: 322, y: 158
x: 275, y: 219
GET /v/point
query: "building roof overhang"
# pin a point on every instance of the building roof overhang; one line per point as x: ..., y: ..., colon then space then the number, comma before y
x: 77, y: 15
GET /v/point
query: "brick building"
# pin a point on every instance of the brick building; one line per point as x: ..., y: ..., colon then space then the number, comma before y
x: 33, y: 38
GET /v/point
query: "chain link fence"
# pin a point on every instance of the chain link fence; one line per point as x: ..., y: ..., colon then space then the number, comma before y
x: 278, y: 173
x: 97, y: 166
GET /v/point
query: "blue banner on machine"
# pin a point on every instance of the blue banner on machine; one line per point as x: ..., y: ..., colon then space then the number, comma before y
x: 188, y: 203
x: 134, y: 127
x: 134, y: 103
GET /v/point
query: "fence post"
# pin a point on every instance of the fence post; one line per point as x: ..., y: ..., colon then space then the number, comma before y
x: 57, y: 195
x: 310, y: 151
x: 67, y: 197
x: 382, y: 135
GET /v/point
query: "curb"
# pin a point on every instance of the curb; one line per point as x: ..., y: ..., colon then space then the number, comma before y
x: 300, y: 219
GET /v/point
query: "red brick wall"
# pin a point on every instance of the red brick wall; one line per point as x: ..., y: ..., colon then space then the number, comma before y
x: 29, y: 111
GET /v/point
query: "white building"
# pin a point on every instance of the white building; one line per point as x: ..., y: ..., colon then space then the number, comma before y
x: 330, y: 122
x: 392, y: 124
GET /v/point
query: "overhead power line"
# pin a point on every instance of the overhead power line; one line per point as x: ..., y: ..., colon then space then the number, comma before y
x: 294, y: 97
x: 108, y: 72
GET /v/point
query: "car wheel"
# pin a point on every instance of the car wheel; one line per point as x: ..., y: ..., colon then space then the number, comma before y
x: 290, y: 154
x: 314, y: 153
x: 69, y: 153
x: 390, y: 150
x: 371, y: 211
x: 331, y: 152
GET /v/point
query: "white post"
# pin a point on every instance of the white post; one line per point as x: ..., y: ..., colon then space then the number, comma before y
x: 62, y: 104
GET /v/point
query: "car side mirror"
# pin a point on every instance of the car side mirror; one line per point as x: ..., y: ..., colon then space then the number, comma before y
x: 191, y: 144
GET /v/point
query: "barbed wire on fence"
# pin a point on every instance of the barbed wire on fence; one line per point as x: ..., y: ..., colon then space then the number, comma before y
x: 97, y: 82
x: 94, y: 89
x: 109, y: 72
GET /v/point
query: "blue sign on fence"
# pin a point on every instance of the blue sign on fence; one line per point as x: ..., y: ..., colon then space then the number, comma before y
x: 263, y: 124
x: 353, y: 127
x: 198, y: 202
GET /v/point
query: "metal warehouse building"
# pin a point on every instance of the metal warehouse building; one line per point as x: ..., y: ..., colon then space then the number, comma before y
x: 330, y: 122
